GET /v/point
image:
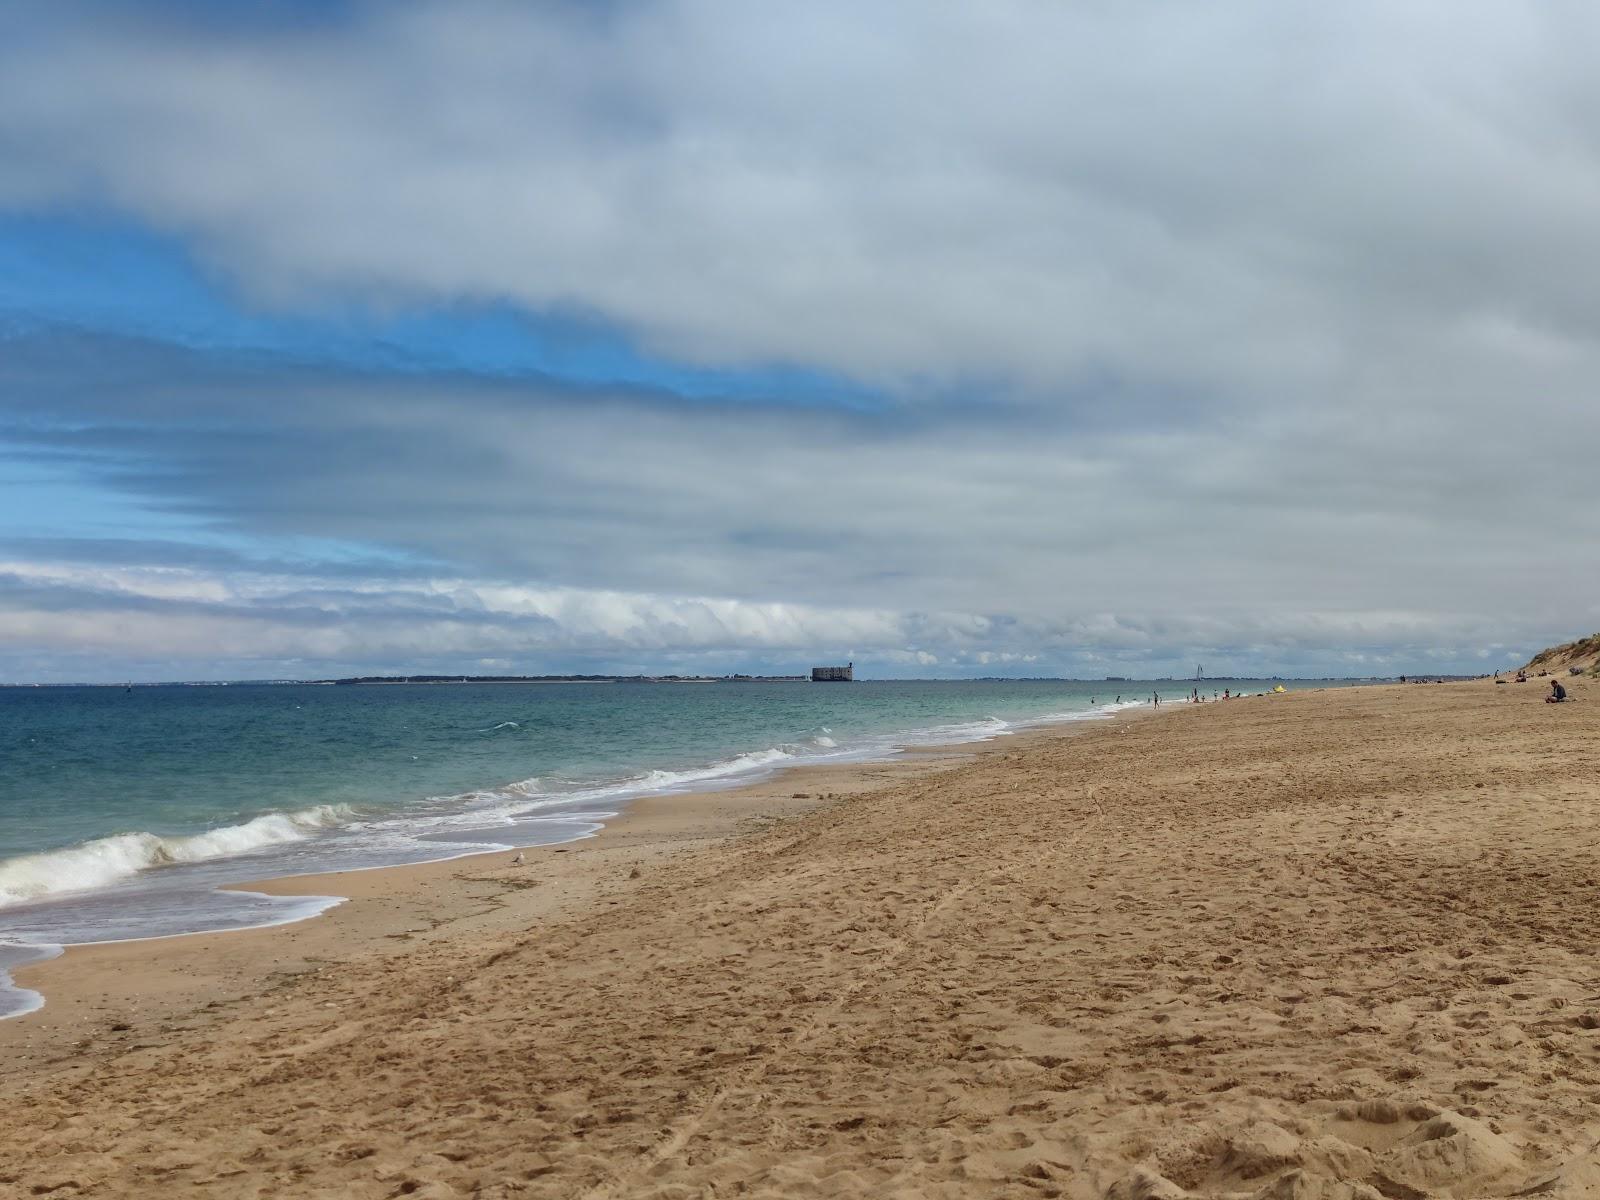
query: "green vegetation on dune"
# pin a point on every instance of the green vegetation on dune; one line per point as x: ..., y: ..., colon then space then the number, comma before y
x: 1584, y: 652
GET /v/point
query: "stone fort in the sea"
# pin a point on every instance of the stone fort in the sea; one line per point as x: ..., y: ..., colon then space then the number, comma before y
x: 844, y: 674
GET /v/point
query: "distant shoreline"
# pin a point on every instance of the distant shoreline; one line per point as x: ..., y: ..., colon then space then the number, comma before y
x: 392, y: 680
x: 386, y: 680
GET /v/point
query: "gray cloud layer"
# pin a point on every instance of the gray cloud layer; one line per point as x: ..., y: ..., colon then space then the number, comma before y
x: 1244, y: 198
x: 727, y: 531
x: 1274, y: 323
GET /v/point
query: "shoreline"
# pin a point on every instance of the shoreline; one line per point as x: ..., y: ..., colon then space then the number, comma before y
x: 141, y: 980
x: 581, y: 803
x: 1338, y: 945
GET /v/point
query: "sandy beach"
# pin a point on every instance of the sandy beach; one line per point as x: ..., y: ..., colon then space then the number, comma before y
x: 1323, y: 944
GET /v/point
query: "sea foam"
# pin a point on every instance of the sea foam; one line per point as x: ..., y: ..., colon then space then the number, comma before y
x: 18, y: 1001
x: 106, y: 860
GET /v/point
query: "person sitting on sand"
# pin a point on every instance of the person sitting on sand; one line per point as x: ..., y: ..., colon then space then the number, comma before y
x: 1557, y: 693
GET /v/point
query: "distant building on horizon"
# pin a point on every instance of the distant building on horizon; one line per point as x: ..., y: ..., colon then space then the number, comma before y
x: 844, y: 674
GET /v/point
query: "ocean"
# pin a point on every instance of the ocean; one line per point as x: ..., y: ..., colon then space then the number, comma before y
x: 124, y: 813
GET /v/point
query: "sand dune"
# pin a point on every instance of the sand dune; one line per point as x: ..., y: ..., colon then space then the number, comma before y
x: 1334, y: 944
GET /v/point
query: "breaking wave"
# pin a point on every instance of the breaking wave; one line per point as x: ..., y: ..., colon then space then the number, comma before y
x: 740, y: 765
x: 106, y: 860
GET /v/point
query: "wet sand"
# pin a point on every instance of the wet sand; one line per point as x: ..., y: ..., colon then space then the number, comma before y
x: 1324, y: 944
x: 158, y: 984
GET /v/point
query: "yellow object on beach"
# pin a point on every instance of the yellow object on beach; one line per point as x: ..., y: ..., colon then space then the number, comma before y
x: 1280, y: 688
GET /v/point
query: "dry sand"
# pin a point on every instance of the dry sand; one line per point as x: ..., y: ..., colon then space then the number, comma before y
x: 1329, y: 944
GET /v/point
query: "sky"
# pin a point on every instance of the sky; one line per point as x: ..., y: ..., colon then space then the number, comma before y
x: 1020, y: 338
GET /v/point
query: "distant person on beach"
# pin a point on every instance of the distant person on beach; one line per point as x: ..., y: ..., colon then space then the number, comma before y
x: 1155, y: 697
x: 1557, y: 693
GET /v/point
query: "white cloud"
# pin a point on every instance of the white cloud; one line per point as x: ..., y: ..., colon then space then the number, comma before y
x: 99, y: 623
x: 170, y: 612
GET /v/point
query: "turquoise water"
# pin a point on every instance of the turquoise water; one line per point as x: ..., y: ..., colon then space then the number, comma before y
x: 123, y: 811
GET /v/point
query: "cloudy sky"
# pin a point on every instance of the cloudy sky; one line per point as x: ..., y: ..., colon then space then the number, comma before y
x: 1022, y: 337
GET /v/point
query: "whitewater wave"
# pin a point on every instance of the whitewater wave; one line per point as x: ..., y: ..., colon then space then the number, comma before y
x: 980, y: 730
x: 108, y: 860
x: 1100, y: 712
x: 674, y: 781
